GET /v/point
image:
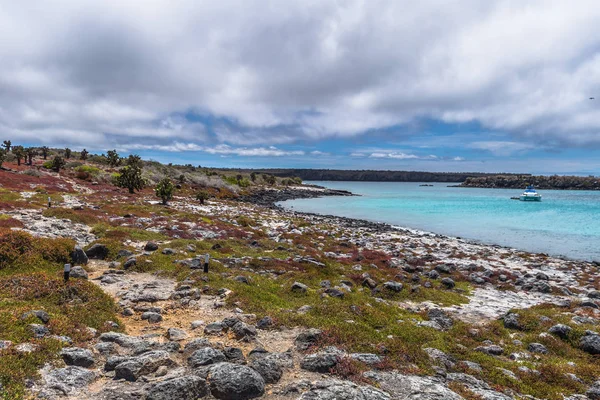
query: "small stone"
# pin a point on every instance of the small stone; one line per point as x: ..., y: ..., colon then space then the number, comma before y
x: 268, y: 368
x: 492, y: 350
x: 39, y: 331
x: 215, y: 328
x: 168, y: 251
x: 232, y: 381
x: 78, y: 256
x: 131, y: 262
x: 590, y: 344
x: 39, y: 314
x: 308, y: 338
x: 511, y: 321
x: 196, y: 324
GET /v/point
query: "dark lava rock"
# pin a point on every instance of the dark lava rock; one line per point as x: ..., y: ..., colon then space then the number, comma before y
x: 335, y: 292
x: 182, y: 388
x: 78, y: 256
x: 235, y: 355
x: 216, y: 328
x: 78, y: 272
x: 370, y: 283
x: 307, y: 338
x: 131, y: 261
x: 39, y: 314
x: 537, y: 348
x: 152, y: 317
x: 151, y: 246
x: 147, y: 363
x: 560, y: 330
x: 77, y: 356
x: 69, y: 378
x: 590, y: 344
x: 492, y: 350
x: 265, y: 323
x: 511, y: 321
x: 97, y: 252
x: 320, y: 362
x: 243, y: 331
x: 168, y: 251
x: 235, y: 382
x: 268, y: 368
x: 39, y: 331
x: 440, y: 317
x: 112, y: 362
x: 196, y: 344
x: 299, y: 287
x: 124, y: 253
x: 216, y: 246
x: 449, y: 283
x: 205, y: 356
x: 393, y: 286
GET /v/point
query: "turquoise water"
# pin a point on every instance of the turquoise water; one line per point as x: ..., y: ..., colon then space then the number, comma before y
x: 565, y: 223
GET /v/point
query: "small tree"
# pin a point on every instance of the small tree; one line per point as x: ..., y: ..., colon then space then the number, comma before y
x: 164, y: 190
x: 202, y: 196
x: 239, y: 178
x: 30, y: 153
x: 19, y: 153
x: 130, y: 176
x: 44, y: 150
x: 181, y: 179
x: 253, y: 177
x: 113, y: 158
x: 84, y: 155
x: 2, y: 156
x: 271, y: 180
x: 57, y: 164
x: 7, y: 144
x: 67, y: 153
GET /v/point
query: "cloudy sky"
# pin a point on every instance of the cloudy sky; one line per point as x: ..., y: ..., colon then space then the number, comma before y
x: 463, y: 85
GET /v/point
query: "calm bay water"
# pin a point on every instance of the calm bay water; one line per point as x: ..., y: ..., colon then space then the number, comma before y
x: 565, y: 223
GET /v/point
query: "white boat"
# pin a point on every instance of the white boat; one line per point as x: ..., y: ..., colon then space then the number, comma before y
x: 530, y: 194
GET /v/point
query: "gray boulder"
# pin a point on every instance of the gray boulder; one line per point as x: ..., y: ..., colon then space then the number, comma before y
x: 243, y: 331
x: 152, y: 317
x: 141, y: 365
x: 78, y: 256
x: 449, y: 283
x: 39, y: 314
x: 320, y: 362
x: 206, y: 356
x: 97, y: 252
x: 168, y: 251
x: 176, y: 334
x: 307, y: 338
x: 590, y: 344
x: 492, y: 350
x: 77, y: 356
x: 69, y: 379
x: 216, y: 328
x: 38, y: 330
x: 183, y: 388
x: 333, y: 389
x: 151, y: 246
x: 410, y: 387
x: 440, y: 317
x: 234, y: 355
x: 393, y: 286
x: 235, y: 382
x: 537, y: 348
x: 78, y: 272
x: 299, y: 287
x: 511, y: 321
x: 268, y: 368
x: 560, y: 330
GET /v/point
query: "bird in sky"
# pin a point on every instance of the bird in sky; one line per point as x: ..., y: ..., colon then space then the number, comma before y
x: 591, y: 98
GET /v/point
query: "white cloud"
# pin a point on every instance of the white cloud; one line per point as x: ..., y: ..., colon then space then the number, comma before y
x: 115, y: 72
x: 223, y: 150
x: 502, y: 148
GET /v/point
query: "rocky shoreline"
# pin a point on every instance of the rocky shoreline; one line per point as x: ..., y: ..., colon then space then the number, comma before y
x: 270, y: 197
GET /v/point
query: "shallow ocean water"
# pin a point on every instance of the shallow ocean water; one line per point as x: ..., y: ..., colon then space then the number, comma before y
x: 566, y: 222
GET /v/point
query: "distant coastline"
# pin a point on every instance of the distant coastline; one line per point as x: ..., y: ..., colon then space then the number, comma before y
x: 553, y: 182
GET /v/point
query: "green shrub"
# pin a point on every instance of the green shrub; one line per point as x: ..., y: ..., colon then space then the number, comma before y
x: 164, y: 190
x: 88, y: 169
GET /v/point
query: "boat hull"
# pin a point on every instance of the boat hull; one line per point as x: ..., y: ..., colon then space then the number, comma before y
x: 531, y: 198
